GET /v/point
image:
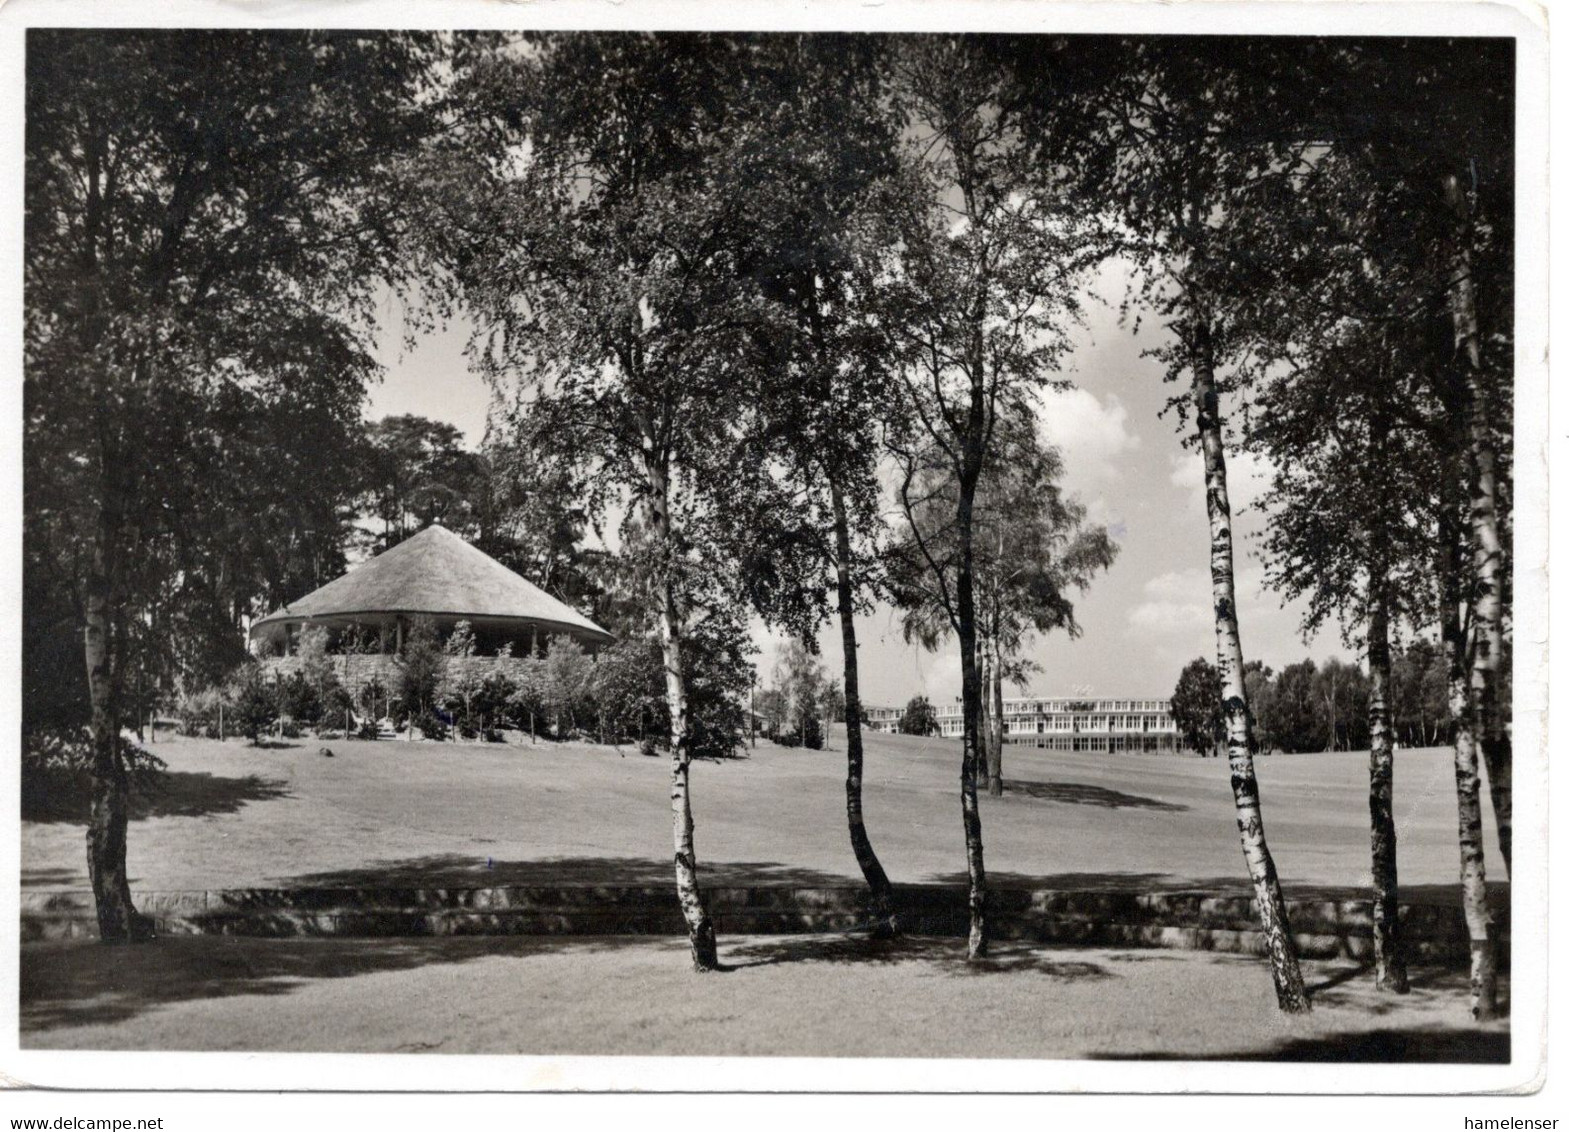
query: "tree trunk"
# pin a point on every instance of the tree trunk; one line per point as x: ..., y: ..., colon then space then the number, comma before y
x: 118, y: 920
x: 979, y: 940
x: 1289, y: 990
x: 700, y: 927
x: 1487, y: 554
x: 1388, y: 959
x: 884, y: 921
x: 1468, y: 789
x: 982, y: 761
x: 994, y: 747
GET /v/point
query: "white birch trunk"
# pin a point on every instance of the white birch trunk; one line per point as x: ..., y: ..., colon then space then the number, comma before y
x: 1289, y: 990
x: 1487, y: 555
x: 700, y: 927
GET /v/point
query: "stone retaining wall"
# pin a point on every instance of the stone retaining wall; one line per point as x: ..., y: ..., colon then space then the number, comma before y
x: 1189, y: 920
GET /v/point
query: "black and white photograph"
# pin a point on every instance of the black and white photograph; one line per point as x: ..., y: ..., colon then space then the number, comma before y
x: 1008, y: 555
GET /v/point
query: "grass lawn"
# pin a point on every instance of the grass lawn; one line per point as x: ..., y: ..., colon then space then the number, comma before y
x: 444, y: 813
x: 380, y: 813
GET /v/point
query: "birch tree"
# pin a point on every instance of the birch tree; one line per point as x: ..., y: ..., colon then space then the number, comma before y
x: 595, y: 229
x: 1173, y: 137
x: 1034, y: 550
x: 1390, y: 397
x: 826, y: 379
x: 981, y: 287
x: 207, y: 217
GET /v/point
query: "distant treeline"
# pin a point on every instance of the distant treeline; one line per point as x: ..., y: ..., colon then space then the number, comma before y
x: 1321, y: 707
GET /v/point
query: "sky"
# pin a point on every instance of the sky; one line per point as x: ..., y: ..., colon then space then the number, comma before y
x: 1142, y: 620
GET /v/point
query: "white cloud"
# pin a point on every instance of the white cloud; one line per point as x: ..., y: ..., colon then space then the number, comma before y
x: 1248, y: 476
x: 1176, y: 602
x: 1092, y: 435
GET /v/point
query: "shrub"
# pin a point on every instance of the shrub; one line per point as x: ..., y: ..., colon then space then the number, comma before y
x: 198, y: 711
x: 431, y: 725
x: 338, y: 702
x: 629, y: 688
x: 812, y: 733
x: 424, y: 667
x: 568, y: 684
x: 919, y: 718
x: 298, y: 699
x: 255, y: 703
x: 368, y: 729
x: 492, y: 702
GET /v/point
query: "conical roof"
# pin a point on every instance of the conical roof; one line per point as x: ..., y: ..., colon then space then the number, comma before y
x: 436, y: 574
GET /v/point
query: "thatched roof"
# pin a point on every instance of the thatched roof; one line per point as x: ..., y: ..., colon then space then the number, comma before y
x: 435, y: 574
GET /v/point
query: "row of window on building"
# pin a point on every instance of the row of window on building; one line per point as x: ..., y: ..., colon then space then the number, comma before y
x: 1063, y: 724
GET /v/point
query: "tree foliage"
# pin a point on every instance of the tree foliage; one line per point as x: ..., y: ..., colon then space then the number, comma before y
x: 919, y: 717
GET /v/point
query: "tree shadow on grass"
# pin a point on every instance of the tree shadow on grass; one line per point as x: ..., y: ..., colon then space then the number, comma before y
x: 461, y: 870
x: 1231, y: 885
x: 944, y: 954
x: 1349, y: 988
x: 77, y: 983
x: 177, y: 794
x: 1442, y: 1046
x: 1082, y: 794
x: 1430, y: 985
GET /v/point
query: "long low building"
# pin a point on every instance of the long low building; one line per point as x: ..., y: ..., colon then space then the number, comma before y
x: 1071, y: 724
x: 884, y: 719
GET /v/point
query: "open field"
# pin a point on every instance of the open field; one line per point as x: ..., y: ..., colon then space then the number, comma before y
x: 789, y: 996
x: 387, y: 813
x: 450, y: 814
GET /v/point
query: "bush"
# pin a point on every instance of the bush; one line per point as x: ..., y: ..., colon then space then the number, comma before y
x: 493, y: 700
x: 298, y: 699
x: 812, y: 733
x: 919, y: 718
x: 198, y: 711
x: 338, y: 701
x: 368, y: 729
x: 568, y: 685
x: 255, y: 703
x: 431, y: 725
x: 424, y: 667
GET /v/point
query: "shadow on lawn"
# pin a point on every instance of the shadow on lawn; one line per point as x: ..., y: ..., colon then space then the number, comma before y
x: 1351, y: 989
x: 1235, y: 884
x: 1445, y: 1046
x: 177, y: 794
x: 82, y: 984
x: 460, y: 870
x: 1082, y: 794
x: 944, y: 954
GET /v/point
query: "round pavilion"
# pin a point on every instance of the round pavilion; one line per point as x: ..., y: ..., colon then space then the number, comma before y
x: 436, y: 575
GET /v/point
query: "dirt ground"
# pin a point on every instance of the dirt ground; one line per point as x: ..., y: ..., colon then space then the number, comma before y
x: 820, y: 996
x: 384, y: 812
